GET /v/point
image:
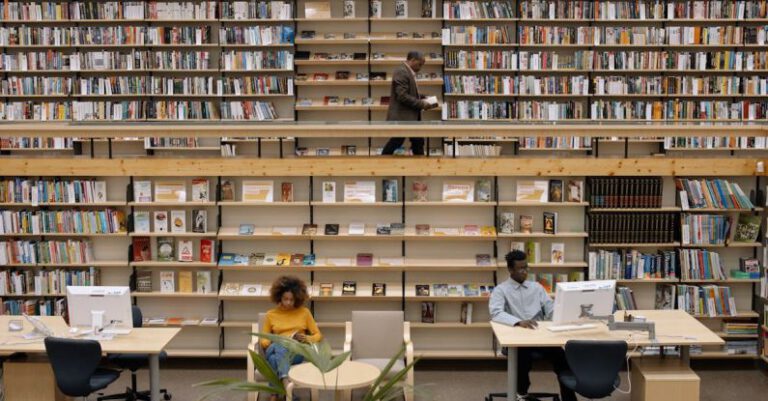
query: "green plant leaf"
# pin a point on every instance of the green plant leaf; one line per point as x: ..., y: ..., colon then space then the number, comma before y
x: 385, y: 371
x: 265, y: 369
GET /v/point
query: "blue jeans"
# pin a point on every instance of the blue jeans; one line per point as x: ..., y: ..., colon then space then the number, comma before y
x: 280, y: 359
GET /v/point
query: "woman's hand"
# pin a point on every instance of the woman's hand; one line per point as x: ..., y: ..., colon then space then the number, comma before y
x: 300, y: 337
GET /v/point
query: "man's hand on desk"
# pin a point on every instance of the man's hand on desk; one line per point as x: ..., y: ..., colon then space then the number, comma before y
x: 527, y: 324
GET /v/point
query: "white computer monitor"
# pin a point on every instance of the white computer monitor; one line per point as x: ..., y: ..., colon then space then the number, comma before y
x: 113, y: 302
x: 579, y: 301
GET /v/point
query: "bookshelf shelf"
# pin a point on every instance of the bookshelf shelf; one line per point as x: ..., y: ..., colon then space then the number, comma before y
x: 739, y: 315
x: 173, y: 234
x: 637, y: 245
x: 393, y: 19
x: 237, y: 324
x: 416, y: 298
x: 357, y: 204
x: 722, y: 355
x: 727, y: 281
x: 450, y: 204
x: 172, y: 204
x: 323, y: 41
x: 173, y: 264
x: 157, y: 294
x: 636, y: 210
x: 263, y: 204
x: 648, y: 280
x: 543, y: 204
x: 321, y: 20
x: 73, y: 235
x: 33, y: 295
x: 103, y: 263
x: 719, y: 210
x: 339, y: 107
x: 333, y: 82
x: 420, y: 82
x: 366, y: 237
x: 357, y: 298
x: 738, y: 336
x: 726, y: 245
x: 330, y: 62
x: 543, y: 235
x: 223, y: 297
x: 415, y: 237
x: 450, y: 325
x: 231, y: 233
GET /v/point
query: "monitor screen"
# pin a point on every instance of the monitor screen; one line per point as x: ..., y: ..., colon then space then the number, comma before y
x: 581, y: 300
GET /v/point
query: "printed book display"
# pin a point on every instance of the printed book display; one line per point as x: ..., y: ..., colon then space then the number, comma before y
x: 199, y: 221
x: 227, y: 191
x: 389, y: 188
x: 142, y: 191
x: 258, y: 191
x: 170, y: 191
x: 161, y: 221
x: 200, y: 190
x: 329, y: 192
x: 165, y: 249
x: 532, y: 191
x: 349, y: 288
x: 178, y: 221
x: 379, y: 290
x: 427, y: 312
x: 458, y: 191
x: 420, y: 191
x: 360, y: 191
x: 286, y: 192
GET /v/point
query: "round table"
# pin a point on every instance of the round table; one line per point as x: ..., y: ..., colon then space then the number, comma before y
x: 350, y: 375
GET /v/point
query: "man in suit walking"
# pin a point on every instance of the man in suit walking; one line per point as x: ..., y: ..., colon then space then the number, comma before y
x: 405, y: 103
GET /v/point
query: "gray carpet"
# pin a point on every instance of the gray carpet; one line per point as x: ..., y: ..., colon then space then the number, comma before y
x: 454, y: 381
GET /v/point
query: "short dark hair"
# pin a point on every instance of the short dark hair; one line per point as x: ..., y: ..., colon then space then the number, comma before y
x: 291, y: 284
x: 515, y: 256
x: 414, y: 55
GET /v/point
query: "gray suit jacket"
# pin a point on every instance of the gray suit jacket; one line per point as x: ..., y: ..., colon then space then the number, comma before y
x: 404, y: 101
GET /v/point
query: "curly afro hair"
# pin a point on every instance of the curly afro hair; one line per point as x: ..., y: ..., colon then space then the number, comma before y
x: 291, y: 284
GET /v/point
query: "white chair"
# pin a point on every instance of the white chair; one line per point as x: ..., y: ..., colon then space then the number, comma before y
x: 253, y: 375
x: 375, y: 337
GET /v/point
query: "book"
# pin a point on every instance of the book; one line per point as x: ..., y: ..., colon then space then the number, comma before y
x: 349, y: 288
x: 199, y: 221
x: 401, y: 8
x: 458, y: 191
x: 227, y: 191
x: 178, y: 221
x: 389, y: 191
x: 486, y: 290
x: 558, y: 253
x: 165, y: 249
x: 309, y: 229
x: 141, y: 222
x: 517, y: 246
x: 423, y: 229
x: 286, y: 192
x: 360, y: 191
x: 349, y: 8
x: 747, y: 228
x: 533, y: 250
x: 483, y: 188
x: 167, y: 281
x: 532, y: 191
x: 256, y: 258
x: 469, y: 229
x: 270, y: 259
x: 100, y: 191
x: 428, y: 8
x: 185, y: 251
x: 422, y: 290
x: 440, y: 289
x: 555, y: 190
x: 329, y: 191
x: 331, y: 229
x: 206, y: 250
x: 455, y: 290
x: 550, y: 222
x: 483, y: 259
x: 546, y: 280
x: 326, y: 289
x: 383, y: 229
x: 471, y: 290
x: 142, y: 250
x: 203, y: 282
x: 283, y: 259
x: 297, y: 259
x: 185, y: 281
x: 488, y: 231
x: 230, y: 289
x: 526, y: 224
x: 420, y: 191
x: 427, y: 312
x: 665, y: 297
x: 575, y: 191
x: 161, y: 221
x: 356, y: 229
x: 317, y: 10
x: 309, y: 260
x: 396, y: 228
x: 364, y: 259
x: 749, y: 265
x: 246, y: 229
x: 144, y: 281
x: 379, y: 289
x: 170, y: 191
x: 252, y: 290
x: 200, y: 190
x: 465, y: 315
x: 507, y: 222
x: 376, y: 8
x: 142, y: 191
x: 258, y: 191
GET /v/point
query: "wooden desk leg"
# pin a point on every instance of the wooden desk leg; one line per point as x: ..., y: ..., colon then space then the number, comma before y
x: 154, y: 377
x: 685, y: 354
x: 511, y: 373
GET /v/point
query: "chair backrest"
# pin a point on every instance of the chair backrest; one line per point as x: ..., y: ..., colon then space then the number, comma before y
x: 262, y: 319
x: 73, y: 362
x: 377, y: 334
x: 596, y: 365
x: 138, y: 318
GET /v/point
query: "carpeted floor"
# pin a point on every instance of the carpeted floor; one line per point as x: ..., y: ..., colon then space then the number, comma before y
x: 446, y: 381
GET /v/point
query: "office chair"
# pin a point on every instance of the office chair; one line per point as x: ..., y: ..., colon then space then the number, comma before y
x: 133, y: 362
x: 594, y: 367
x: 553, y: 396
x: 75, y: 366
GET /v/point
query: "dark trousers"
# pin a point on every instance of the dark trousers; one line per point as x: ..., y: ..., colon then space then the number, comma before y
x: 417, y: 146
x: 525, y: 358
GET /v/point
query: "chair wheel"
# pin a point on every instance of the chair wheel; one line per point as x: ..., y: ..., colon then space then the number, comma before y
x: 167, y: 397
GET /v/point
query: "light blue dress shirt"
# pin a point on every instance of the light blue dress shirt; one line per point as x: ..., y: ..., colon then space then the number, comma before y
x: 512, y: 302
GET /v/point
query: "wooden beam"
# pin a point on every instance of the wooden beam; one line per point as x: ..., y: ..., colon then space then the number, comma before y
x: 379, y: 166
x: 379, y: 129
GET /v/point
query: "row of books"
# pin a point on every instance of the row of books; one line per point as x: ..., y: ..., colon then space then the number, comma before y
x: 202, y: 284
x: 550, y: 280
x: 381, y: 229
x: 256, y: 60
x: 170, y: 249
x: 450, y: 290
x: 641, y: 10
x: 625, y: 299
x: 255, y: 9
x: 41, y: 222
x: 709, y: 300
x: 625, y: 192
x: 24, y: 190
x: 701, y: 264
x: 45, y: 282
x: 472, y: 150
x: 177, y: 219
x: 15, y: 142
x: 711, y: 193
x: 461, y: 10
x: 635, y: 35
x: 635, y: 228
x: 715, y: 142
x: 740, y: 328
x: 555, y: 142
x: 256, y: 35
x: 45, y: 252
x: 473, y: 35
x: 106, y: 35
x: 41, y: 307
x: 511, y: 85
x: 679, y: 85
x: 107, y: 60
x: 632, y: 265
x: 705, y: 229
x: 741, y: 347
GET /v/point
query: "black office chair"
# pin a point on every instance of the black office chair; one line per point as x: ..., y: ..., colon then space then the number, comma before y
x: 594, y: 367
x: 553, y: 396
x: 75, y: 366
x: 133, y: 362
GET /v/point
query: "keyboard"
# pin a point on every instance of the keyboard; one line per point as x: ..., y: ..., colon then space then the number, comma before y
x: 116, y: 332
x: 571, y: 327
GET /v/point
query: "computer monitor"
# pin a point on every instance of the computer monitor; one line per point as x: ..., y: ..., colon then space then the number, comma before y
x: 113, y: 302
x: 578, y: 301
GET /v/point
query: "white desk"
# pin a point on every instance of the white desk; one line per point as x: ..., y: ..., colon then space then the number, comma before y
x: 151, y: 341
x: 348, y: 376
x: 673, y: 327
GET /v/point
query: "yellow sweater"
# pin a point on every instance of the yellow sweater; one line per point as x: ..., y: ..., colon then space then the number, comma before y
x: 287, y: 322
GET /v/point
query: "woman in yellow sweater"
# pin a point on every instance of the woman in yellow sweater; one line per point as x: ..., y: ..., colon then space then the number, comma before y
x: 290, y: 319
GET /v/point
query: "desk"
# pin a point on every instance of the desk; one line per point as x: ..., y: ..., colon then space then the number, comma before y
x: 150, y: 341
x: 673, y: 327
x: 348, y: 376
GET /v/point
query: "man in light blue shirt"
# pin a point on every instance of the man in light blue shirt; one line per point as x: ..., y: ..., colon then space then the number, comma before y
x: 521, y: 303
